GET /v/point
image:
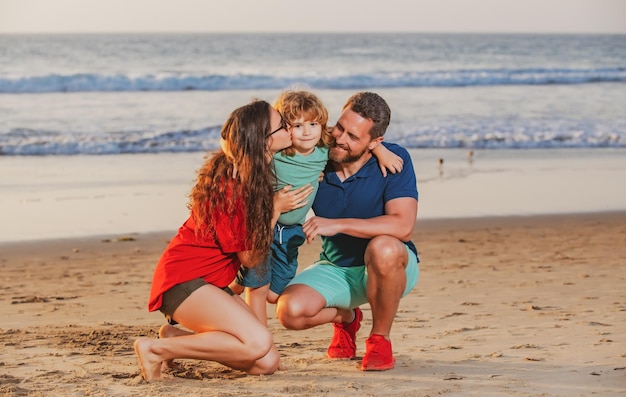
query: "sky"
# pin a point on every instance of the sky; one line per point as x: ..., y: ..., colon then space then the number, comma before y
x: 454, y: 16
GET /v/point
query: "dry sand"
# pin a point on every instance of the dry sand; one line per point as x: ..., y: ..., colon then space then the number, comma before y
x: 522, y: 306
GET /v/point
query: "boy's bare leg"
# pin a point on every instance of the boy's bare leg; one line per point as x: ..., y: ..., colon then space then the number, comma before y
x: 256, y: 298
x: 236, y: 287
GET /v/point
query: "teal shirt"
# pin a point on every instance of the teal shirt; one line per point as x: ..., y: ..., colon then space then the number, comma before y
x: 297, y: 171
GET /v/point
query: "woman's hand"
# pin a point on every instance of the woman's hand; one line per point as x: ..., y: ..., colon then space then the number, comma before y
x: 286, y: 199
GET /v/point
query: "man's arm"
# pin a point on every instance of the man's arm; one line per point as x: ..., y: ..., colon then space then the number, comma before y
x: 398, y: 221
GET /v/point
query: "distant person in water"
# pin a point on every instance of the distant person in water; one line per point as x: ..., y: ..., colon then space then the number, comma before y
x: 365, y: 222
x: 233, y: 212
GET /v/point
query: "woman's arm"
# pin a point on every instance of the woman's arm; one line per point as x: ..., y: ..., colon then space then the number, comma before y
x: 284, y: 200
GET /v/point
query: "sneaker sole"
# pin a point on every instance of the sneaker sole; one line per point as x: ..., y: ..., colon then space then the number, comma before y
x: 378, y: 367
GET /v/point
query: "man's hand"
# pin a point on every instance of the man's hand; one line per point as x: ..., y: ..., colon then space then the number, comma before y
x: 318, y: 226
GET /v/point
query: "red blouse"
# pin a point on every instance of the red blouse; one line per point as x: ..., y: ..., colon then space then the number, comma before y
x: 187, y: 258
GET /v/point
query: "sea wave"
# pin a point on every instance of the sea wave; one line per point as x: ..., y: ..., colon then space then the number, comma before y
x: 478, y: 134
x: 90, y: 82
x: 29, y: 142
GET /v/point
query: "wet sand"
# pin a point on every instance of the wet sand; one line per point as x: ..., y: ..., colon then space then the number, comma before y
x: 44, y: 197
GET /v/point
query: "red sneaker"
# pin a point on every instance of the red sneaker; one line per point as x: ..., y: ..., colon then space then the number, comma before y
x: 343, y: 344
x: 378, y: 355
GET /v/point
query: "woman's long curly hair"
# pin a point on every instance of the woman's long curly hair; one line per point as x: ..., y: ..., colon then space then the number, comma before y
x: 243, y: 161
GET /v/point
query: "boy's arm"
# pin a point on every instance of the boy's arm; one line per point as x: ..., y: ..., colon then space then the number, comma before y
x: 387, y: 160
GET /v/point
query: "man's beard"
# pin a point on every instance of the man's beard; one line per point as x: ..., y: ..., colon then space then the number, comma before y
x: 347, y: 157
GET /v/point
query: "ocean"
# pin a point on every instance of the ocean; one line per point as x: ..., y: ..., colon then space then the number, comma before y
x: 151, y: 93
x: 102, y: 134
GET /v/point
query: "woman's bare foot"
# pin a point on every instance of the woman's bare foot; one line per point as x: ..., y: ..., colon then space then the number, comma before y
x: 149, y: 362
x: 169, y: 331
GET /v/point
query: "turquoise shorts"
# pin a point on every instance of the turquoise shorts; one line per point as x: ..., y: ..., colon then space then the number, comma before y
x: 344, y: 287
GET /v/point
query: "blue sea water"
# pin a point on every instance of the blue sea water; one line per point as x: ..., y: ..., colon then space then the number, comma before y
x: 152, y: 93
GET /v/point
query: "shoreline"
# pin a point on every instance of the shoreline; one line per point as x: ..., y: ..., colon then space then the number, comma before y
x: 427, y: 224
x: 504, y: 306
x: 58, y: 197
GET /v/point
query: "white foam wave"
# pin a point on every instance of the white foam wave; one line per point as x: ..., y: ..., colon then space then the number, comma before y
x: 476, y: 133
x: 89, y: 82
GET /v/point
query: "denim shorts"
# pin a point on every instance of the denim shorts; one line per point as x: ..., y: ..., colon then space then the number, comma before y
x: 282, y: 264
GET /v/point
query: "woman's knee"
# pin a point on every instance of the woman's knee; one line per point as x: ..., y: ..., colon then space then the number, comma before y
x: 267, y: 364
x: 258, y: 343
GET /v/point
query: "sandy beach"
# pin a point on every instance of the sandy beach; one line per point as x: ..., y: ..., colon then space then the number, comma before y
x: 522, y: 306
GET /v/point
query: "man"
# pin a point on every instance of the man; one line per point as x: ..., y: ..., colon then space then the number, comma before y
x: 365, y: 221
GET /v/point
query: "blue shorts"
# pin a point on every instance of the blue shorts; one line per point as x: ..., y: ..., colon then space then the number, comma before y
x: 283, y: 261
x: 344, y: 287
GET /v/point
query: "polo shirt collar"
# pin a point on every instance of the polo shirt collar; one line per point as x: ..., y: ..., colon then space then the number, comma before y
x: 364, y: 172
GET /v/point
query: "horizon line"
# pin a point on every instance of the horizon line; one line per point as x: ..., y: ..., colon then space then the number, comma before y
x: 317, y: 32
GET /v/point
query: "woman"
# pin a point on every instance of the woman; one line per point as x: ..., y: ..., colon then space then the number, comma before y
x: 233, y: 212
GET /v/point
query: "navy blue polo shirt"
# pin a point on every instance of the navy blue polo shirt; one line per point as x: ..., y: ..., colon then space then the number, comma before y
x: 362, y: 195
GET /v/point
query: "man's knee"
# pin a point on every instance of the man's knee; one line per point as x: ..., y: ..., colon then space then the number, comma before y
x: 288, y: 311
x: 297, y: 304
x: 385, y: 251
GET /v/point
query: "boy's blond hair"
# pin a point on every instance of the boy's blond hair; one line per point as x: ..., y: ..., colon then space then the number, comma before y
x: 295, y: 104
